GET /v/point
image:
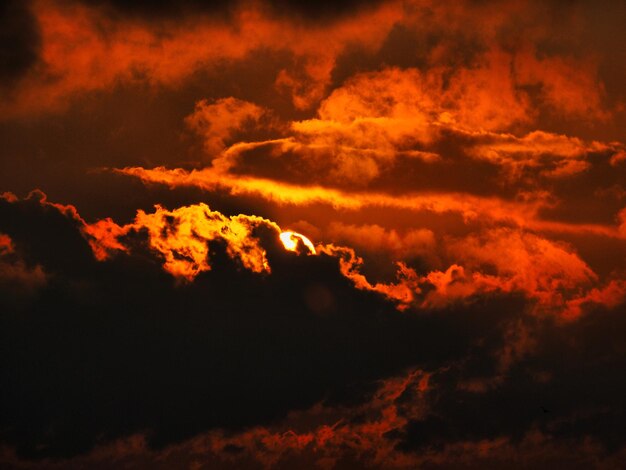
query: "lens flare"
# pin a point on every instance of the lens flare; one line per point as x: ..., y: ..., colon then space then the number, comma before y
x: 290, y: 241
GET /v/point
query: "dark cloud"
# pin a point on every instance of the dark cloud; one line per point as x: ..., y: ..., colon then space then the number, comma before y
x: 569, y: 389
x: 105, y: 350
x: 19, y: 41
x: 236, y: 349
x: 305, y: 10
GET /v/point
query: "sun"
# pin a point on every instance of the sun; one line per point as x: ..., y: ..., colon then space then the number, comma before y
x: 290, y: 241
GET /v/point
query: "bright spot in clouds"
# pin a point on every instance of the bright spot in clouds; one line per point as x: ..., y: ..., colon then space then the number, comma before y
x: 290, y: 241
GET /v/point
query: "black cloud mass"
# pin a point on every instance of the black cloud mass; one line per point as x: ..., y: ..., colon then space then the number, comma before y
x: 104, y: 350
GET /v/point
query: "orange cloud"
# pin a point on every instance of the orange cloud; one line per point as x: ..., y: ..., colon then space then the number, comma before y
x: 569, y: 86
x: 618, y: 157
x: 103, y: 237
x: 469, y: 206
x: 350, y: 264
x: 376, y: 121
x: 463, y: 109
x: 497, y: 260
x: 417, y: 242
x: 486, y: 97
x: 181, y: 236
x: 610, y: 295
x: 507, y: 260
x: 552, y: 155
x: 375, y: 117
x: 83, y: 50
x: 407, y: 103
x: 523, y: 212
x: 218, y: 121
x: 546, y: 271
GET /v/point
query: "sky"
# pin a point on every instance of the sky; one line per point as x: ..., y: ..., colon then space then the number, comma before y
x: 319, y: 235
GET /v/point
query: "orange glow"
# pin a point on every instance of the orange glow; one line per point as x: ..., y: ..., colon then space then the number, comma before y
x: 291, y: 240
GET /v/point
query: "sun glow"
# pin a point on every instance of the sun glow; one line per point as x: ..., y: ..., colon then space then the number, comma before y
x: 290, y: 241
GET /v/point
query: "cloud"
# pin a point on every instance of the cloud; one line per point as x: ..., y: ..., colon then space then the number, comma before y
x: 218, y: 121
x: 568, y: 86
x: 183, y: 237
x: 501, y: 259
x: 550, y: 274
x: 83, y: 50
x: 523, y: 212
x: 555, y: 156
x: 618, y: 157
x: 389, y: 132
x: 418, y: 242
x: 428, y: 418
x: 284, y: 193
x: 547, y: 271
x: 413, y: 120
x: 232, y: 348
x: 165, y: 43
x: 376, y: 118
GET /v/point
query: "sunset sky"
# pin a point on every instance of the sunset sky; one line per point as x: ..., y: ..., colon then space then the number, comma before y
x: 312, y: 235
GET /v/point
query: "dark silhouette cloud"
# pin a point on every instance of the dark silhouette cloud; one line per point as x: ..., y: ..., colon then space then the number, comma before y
x: 108, y: 349
x: 569, y: 388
